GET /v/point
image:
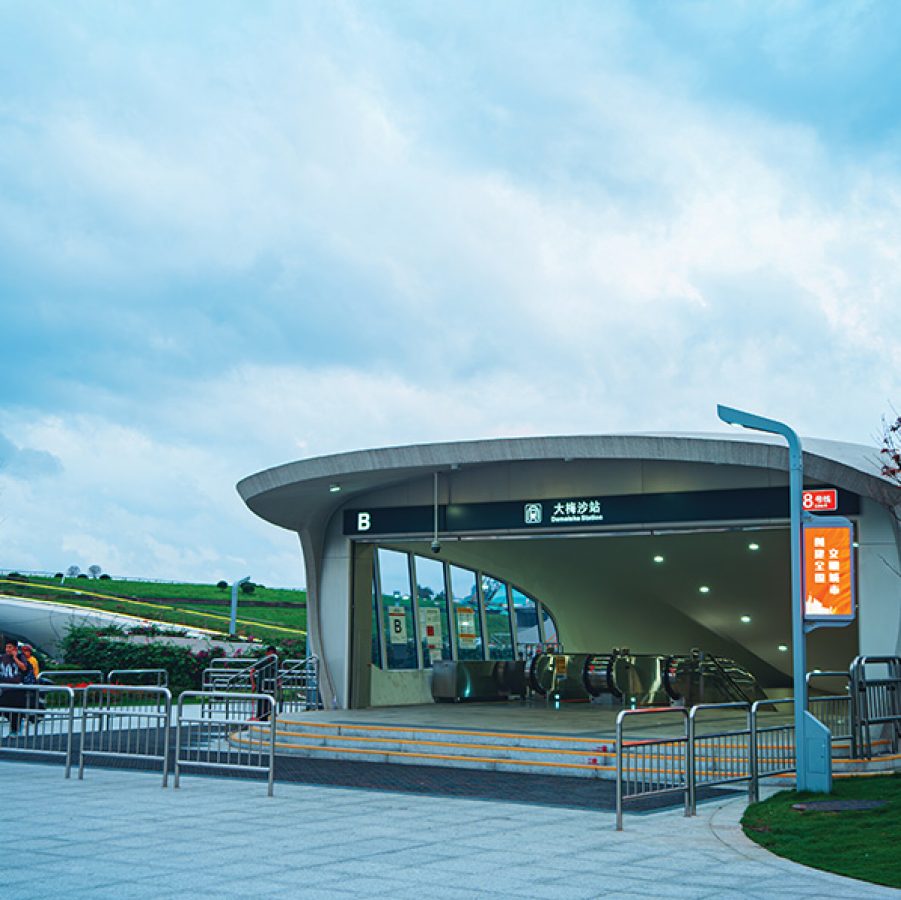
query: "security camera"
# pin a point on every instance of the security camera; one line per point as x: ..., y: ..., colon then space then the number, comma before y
x: 436, y: 546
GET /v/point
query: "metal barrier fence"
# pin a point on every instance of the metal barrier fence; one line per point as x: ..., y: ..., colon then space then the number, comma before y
x: 877, y: 700
x: 298, y: 684
x: 78, y: 679
x: 242, y: 740
x: 293, y: 682
x: 126, y: 722
x: 835, y: 711
x: 651, y: 766
x: 145, y: 677
x: 717, y: 757
x: 772, y: 742
x: 41, y: 719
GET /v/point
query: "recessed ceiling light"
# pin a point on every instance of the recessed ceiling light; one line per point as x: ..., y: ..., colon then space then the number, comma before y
x: 704, y: 589
x: 658, y: 559
x: 746, y: 619
x: 783, y: 648
x: 753, y: 546
x: 334, y: 488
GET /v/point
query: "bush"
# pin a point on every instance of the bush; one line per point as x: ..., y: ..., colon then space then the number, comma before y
x: 59, y: 575
x: 248, y: 587
x: 15, y: 576
x: 82, y: 575
x: 104, y: 577
x: 84, y: 648
x: 222, y: 585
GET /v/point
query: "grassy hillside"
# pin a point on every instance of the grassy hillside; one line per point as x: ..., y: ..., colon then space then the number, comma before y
x: 268, y: 613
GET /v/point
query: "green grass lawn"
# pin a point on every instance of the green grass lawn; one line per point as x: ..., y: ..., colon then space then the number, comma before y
x: 861, y: 844
x: 171, y: 603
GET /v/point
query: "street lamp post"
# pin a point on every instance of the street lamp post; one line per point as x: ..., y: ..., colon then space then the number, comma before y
x: 813, y: 741
x: 232, y: 625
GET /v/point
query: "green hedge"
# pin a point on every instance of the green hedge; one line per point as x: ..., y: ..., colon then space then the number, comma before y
x: 84, y: 648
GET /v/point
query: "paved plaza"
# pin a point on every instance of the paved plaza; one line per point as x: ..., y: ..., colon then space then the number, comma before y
x: 118, y: 834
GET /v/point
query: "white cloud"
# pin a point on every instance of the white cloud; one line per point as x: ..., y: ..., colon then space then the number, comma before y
x: 627, y: 255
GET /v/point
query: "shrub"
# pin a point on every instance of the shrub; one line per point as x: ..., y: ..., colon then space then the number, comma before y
x: 104, y: 577
x: 81, y: 575
x: 222, y: 585
x: 83, y: 648
x: 248, y: 587
x: 59, y: 575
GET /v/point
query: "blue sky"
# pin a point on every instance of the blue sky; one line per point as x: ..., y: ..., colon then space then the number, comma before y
x: 236, y: 234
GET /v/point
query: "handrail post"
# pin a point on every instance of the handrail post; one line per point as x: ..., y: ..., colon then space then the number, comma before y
x: 619, y: 772
x: 691, y: 799
x: 272, y: 729
x: 168, y: 712
x: 69, y: 730
x: 178, y: 713
x: 753, y: 783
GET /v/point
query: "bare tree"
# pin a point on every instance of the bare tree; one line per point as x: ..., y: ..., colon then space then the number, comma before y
x: 890, y: 463
x: 890, y: 451
x: 94, y: 571
x: 73, y: 571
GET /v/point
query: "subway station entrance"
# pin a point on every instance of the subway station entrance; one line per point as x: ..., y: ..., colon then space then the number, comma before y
x: 673, y: 548
x: 653, y: 599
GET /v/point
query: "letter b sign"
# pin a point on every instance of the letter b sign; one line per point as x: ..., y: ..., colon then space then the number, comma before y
x: 364, y: 521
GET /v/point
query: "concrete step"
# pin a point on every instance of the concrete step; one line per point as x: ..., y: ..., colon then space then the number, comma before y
x: 537, y: 753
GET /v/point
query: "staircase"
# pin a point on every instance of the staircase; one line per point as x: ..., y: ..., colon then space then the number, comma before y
x: 544, y: 754
x: 457, y: 748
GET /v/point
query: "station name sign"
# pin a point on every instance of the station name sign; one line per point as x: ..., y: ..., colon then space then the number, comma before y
x: 745, y: 504
x: 820, y: 500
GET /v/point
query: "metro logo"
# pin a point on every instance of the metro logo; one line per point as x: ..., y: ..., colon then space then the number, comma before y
x: 820, y: 500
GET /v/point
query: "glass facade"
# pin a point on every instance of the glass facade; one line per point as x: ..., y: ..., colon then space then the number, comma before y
x: 525, y: 611
x: 431, y: 594
x: 397, y: 610
x: 425, y: 610
x: 467, y: 613
x: 497, y: 618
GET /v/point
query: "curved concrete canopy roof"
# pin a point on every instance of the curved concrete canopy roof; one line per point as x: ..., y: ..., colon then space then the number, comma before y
x: 294, y: 494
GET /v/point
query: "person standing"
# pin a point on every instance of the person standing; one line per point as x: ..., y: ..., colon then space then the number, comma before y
x: 13, y: 669
x: 32, y: 660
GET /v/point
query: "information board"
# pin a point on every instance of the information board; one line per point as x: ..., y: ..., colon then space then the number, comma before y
x: 829, y: 585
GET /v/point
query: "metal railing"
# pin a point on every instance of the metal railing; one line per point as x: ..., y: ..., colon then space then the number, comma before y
x: 298, y: 684
x: 126, y: 722
x: 721, y: 756
x: 41, y: 719
x: 293, y: 682
x: 227, y: 678
x: 243, y: 740
x: 835, y: 711
x: 78, y: 679
x: 139, y: 677
x: 772, y: 742
x: 651, y: 766
x: 876, y: 701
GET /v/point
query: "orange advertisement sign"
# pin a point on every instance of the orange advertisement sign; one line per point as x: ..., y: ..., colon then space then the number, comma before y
x: 828, y: 570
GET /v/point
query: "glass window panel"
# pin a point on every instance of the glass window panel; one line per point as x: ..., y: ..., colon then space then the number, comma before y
x: 550, y: 626
x: 433, y: 623
x: 376, y: 648
x: 397, y: 608
x: 467, y: 623
x: 497, y: 617
x: 526, y: 611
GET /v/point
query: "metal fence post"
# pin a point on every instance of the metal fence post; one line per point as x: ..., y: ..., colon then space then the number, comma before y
x: 691, y: 800
x: 619, y: 772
